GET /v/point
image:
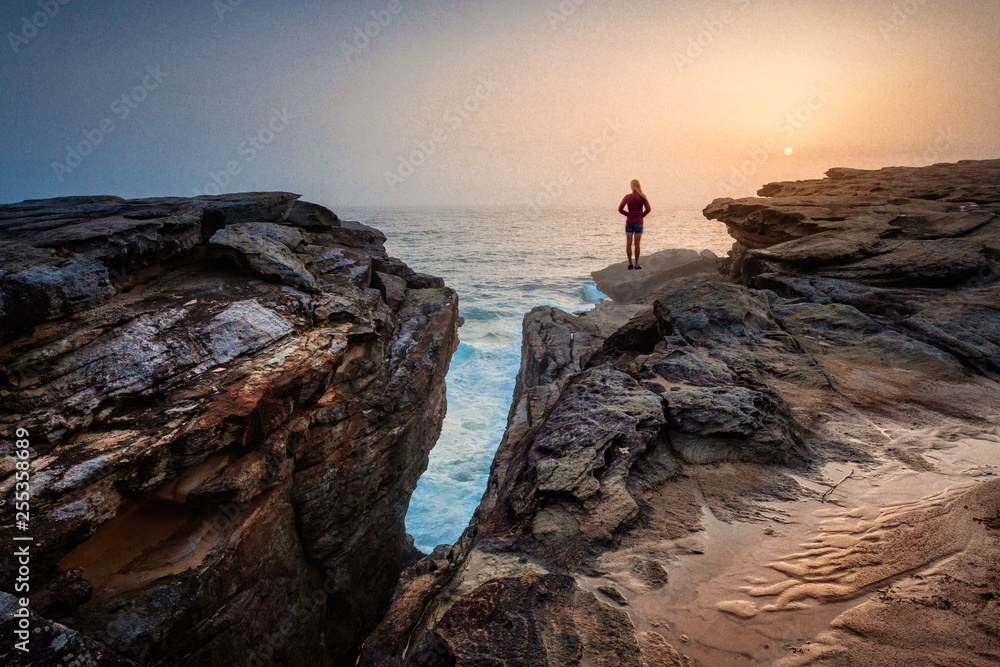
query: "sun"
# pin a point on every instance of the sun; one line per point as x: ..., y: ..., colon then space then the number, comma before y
x: 788, y: 151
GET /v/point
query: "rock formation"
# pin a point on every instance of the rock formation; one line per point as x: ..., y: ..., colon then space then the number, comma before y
x: 658, y: 270
x: 797, y: 464
x: 229, y: 401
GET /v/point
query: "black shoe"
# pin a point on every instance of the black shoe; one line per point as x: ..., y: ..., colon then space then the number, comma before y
x: 637, y: 267
x: 630, y: 267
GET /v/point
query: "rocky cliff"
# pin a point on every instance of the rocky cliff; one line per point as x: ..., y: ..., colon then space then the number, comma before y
x: 658, y: 271
x: 795, y: 463
x: 228, y: 401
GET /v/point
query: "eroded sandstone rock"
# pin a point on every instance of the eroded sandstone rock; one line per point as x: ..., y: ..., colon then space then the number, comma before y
x: 51, y: 643
x: 860, y: 332
x: 658, y: 269
x: 227, y: 417
x: 532, y: 620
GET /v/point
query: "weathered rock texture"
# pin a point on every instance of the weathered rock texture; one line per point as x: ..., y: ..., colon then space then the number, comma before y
x: 934, y: 227
x: 48, y: 643
x: 229, y: 401
x: 658, y: 270
x: 863, y: 326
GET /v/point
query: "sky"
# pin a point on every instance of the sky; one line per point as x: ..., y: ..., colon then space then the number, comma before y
x: 541, y: 103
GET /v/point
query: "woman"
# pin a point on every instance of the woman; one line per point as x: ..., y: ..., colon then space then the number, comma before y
x: 638, y: 208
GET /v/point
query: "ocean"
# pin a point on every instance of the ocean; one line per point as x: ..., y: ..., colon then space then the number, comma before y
x: 503, y: 263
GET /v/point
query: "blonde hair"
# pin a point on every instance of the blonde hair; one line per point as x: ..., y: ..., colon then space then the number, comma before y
x: 636, y: 187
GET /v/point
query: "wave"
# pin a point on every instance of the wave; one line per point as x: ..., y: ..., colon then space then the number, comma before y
x: 591, y: 294
x: 497, y: 261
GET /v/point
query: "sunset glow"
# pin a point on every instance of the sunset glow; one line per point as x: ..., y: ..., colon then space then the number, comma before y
x: 407, y: 102
x: 473, y: 332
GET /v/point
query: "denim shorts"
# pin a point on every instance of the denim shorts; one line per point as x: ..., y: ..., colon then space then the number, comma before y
x: 633, y: 228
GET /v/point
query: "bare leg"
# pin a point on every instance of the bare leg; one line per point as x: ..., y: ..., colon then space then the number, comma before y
x: 628, y: 248
x: 638, y: 240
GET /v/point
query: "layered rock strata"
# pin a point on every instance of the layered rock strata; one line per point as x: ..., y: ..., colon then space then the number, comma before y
x: 659, y: 269
x: 229, y: 401
x: 797, y: 464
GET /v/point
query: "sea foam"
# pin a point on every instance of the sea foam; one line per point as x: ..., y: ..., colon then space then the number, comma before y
x: 501, y: 268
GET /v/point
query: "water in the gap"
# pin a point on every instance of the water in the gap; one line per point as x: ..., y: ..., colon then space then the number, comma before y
x: 502, y: 263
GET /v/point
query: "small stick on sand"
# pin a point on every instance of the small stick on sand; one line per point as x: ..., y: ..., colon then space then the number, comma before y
x: 831, y: 489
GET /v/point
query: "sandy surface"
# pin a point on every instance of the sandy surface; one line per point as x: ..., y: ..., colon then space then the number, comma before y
x: 145, y: 542
x: 795, y: 587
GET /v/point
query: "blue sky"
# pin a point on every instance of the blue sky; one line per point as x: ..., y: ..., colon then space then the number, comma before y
x: 485, y: 102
